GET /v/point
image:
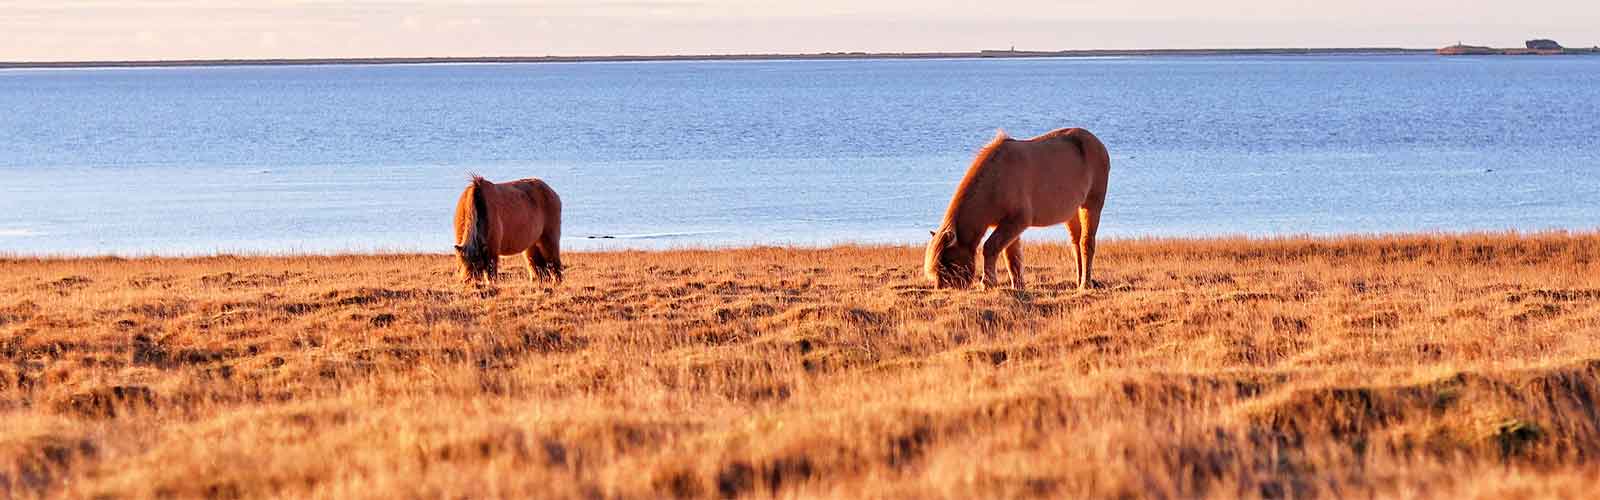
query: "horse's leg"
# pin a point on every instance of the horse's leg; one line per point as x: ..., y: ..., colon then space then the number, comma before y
x: 1091, y: 224
x: 549, y: 248
x: 1014, y: 261
x: 1002, y: 237
x: 1075, y: 229
x: 536, y: 264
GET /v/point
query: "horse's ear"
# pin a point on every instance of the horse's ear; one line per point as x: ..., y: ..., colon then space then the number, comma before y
x: 461, y: 249
x: 933, y: 233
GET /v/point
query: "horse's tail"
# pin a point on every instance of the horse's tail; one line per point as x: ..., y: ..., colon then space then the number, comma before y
x: 480, y: 212
x: 1094, y: 151
x: 1095, y: 156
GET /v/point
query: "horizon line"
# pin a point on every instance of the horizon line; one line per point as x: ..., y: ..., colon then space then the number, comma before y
x: 988, y: 53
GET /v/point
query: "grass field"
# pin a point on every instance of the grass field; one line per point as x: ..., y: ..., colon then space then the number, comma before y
x: 1402, y: 366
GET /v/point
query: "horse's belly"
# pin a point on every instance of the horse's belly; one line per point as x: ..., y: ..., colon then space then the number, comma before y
x: 518, y: 236
x: 1053, y: 216
x: 1057, y: 206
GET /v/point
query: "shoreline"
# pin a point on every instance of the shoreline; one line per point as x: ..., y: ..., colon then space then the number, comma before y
x: 712, y: 249
x: 1471, y: 50
x: 819, y: 56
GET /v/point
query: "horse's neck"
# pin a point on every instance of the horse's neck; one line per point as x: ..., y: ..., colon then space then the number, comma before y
x: 968, y: 233
x: 967, y: 206
x: 963, y: 215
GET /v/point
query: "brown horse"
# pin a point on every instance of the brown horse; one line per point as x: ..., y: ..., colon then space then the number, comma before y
x: 521, y: 216
x: 1014, y: 185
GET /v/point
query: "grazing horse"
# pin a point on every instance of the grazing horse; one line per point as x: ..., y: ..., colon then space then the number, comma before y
x: 1014, y: 185
x: 503, y: 219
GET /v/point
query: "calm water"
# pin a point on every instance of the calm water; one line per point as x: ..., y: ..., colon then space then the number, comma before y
x: 335, y: 158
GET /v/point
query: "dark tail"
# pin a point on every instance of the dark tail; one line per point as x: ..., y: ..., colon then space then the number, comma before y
x: 480, y: 211
x: 1093, y: 151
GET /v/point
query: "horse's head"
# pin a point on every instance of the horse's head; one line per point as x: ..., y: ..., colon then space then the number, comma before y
x: 476, y: 263
x: 948, y: 263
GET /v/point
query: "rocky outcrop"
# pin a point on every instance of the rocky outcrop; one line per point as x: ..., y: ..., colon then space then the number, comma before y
x: 1543, y: 44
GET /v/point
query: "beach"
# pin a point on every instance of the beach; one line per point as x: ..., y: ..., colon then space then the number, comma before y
x: 1441, y: 365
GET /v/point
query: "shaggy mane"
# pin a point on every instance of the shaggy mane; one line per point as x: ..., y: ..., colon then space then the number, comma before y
x: 984, y: 155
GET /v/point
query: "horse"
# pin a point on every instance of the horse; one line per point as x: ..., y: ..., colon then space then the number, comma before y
x: 522, y: 216
x: 1013, y: 185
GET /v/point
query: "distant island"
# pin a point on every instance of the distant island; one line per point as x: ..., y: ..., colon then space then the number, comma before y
x: 982, y: 54
x: 1536, y: 47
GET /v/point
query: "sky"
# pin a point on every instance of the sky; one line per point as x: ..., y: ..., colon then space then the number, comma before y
x: 63, y: 30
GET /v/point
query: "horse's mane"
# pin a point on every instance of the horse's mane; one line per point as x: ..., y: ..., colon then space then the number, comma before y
x: 984, y: 155
x: 946, y: 234
x: 1000, y: 137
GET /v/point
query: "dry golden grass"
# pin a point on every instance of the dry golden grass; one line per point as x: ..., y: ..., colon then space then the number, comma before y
x: 1428, y: 366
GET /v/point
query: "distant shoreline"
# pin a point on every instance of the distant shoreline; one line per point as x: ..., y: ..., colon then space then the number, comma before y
x: 986, y: 54
x: 1473, y: 50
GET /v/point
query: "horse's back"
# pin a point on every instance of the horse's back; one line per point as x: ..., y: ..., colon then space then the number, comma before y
x: 1075, y: 148
x: 524, y: 210
x: 544, y: 200
x: 1057, y: 173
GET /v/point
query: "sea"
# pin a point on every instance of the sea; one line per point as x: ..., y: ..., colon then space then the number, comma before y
x: 651, y: 155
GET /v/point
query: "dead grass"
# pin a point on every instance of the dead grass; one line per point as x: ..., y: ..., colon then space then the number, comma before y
x: 1425, y: 366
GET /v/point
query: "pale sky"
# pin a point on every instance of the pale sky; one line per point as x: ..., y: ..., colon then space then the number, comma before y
x: 45, y: 30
